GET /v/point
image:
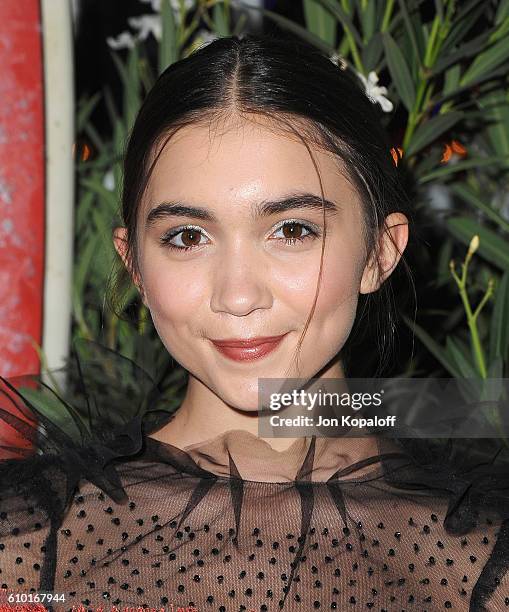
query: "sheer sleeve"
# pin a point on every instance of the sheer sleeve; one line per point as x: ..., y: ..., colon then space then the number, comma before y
x: 27, y: 540
x: 469, y: 479
x: 51, y: 443
x: 492, y: 590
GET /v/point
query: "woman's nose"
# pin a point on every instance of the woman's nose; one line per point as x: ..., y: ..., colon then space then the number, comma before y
x: 240, y: 285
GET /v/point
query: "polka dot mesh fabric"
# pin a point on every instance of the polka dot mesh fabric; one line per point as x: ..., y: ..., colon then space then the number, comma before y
x: 118, y: 519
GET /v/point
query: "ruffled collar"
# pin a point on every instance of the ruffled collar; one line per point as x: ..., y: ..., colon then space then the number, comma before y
x: 242, y: 453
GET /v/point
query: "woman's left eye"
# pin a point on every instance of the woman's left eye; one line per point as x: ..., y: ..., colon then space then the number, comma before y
x: 292, y: 231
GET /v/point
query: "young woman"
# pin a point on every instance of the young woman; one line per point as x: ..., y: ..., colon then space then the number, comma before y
x: 261, y: 204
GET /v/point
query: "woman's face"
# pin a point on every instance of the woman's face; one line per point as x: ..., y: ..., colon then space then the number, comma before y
x: 243, y: 275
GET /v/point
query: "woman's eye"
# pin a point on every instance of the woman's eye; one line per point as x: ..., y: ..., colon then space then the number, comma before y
x: 187, y: 238
x: 293, y: 231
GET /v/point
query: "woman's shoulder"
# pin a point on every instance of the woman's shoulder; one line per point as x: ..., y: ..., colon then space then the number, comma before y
x: 454, y: 494
x: 460, y: 569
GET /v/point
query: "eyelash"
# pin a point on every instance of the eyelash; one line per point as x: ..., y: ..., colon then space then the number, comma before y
x: 165, y: 240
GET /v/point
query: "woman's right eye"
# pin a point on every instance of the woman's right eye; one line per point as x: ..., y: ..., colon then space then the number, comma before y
x: 189, y: 239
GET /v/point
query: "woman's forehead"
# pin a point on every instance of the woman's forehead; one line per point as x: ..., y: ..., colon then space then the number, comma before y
x: 245, y: 163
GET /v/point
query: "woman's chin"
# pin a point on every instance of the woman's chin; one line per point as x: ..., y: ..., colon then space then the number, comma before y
x: 242, y: 402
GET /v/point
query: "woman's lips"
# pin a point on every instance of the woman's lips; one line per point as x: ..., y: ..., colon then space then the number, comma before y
x: 242, y: 350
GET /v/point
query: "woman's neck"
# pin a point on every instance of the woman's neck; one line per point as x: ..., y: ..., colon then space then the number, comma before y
x: 203, y: 416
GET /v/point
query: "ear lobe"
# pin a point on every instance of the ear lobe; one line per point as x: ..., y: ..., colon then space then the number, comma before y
x: 121, y: 246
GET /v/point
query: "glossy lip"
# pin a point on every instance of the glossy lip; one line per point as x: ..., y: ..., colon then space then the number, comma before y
x: 248, y: 350
x: 247, y: 343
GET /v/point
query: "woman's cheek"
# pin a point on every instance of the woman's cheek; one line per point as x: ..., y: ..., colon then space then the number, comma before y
x: 173, y: 292
x: 296, y: 280
x: 338, y: 296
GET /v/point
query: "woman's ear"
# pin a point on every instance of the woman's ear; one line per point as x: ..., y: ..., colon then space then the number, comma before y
x: 392, y: 242
x: 120, y: 242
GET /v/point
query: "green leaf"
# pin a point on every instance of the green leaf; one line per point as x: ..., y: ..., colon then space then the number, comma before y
x: 459, y: 355
x: 130, y: 83
x: 83, y: 265
x: 342, y: 16
x: 295, y: 28
x: 85, y: 204
x: 431, y: 130
x: 104, y: 254
x: 320, y: 22
x: 502, y: 11
x: 85, y: 109
x: 77, y: 312
x: 461, y: 166
x: 121, y: 69
x: 495, y: 105
x: 394, y: 23
x: 499, y: 325
x: 416, y: 23
x: 496, y: 368
x: 168, y: 48
x: 368, y: 19
x: 410, y: 30
x: 440, y: 99
x: 493, y: 247
x: 110, y: 104
x: 219, y: 14
x: 452, y: 79
x: 472, y: 47
x: 466, y: 194
x: 400, y: 72
x: 132, y: 95
x: 147, y: 76
x: 95, y: 184
x: 239, y: 26
x: 434, y: 348
x: 490, y: 59
x: 372, y: 52
x: 443, y: 274
x: 465, y: 19
x: 93, y: 134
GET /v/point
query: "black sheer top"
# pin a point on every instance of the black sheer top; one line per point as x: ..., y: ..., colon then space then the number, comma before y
x: 100, y: 515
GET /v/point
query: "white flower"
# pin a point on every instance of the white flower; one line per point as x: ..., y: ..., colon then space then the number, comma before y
x: 109, y: 181
x: 145, y: 25
x: 374, y: 92
x: 125, y: 40
x: 175, y: 5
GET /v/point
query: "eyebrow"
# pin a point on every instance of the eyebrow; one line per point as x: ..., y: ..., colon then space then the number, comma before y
x: 265, y: 208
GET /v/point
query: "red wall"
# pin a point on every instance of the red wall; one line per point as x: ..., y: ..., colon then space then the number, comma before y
x: 22, y: 186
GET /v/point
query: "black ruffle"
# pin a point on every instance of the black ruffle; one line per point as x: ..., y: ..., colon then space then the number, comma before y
x: 83, y: 432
